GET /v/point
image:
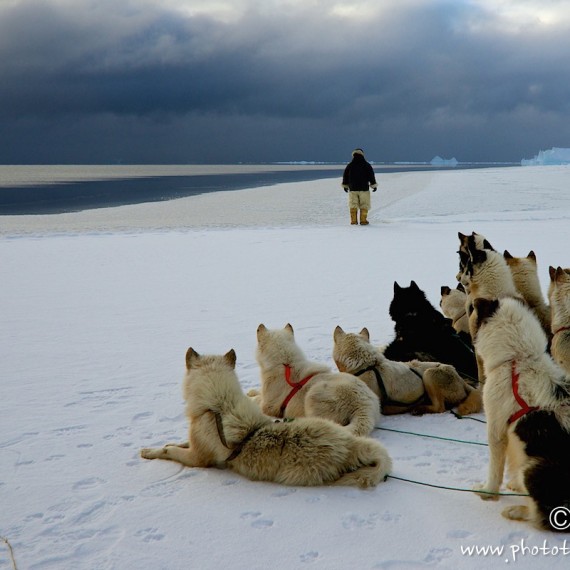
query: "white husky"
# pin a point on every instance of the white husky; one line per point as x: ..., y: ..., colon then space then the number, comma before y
x: 292, y: 386
x: 227, y: 429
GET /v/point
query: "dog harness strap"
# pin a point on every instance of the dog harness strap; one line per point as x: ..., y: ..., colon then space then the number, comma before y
x: 560, y: 330
x: 525, y: 408
x: 385, y: 400
x: 238, y: 449
x: 220, y: 428
x: 454, y: 321
x: 296, y: 386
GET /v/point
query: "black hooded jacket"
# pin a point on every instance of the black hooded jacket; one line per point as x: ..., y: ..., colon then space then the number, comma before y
x: 358, y: 174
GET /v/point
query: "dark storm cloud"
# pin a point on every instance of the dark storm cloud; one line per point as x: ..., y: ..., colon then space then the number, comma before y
x: 423, y: 76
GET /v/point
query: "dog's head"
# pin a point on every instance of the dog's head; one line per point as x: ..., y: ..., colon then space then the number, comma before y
x: 481, y: 242
x: 195, y: 360
x: 468, y: 244
x: 408, y: 301
x: 351, y: 351
x: 215, y: 366
x: 514, y: 261
x: 452, y: 301
x: 276, y: 346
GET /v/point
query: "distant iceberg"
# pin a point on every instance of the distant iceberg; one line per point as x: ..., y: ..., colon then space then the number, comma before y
x: 547, y: 157
x: 438, y: 161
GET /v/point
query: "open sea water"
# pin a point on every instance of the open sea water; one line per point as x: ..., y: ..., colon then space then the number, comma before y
x: 54, y: 189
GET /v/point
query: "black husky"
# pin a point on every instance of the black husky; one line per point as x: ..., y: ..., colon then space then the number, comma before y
x: 423, y: 333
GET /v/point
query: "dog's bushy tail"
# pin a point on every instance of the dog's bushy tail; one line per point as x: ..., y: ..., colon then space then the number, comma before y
x: 364, y: 420
x: 373, y: 465
x: 473, y: 403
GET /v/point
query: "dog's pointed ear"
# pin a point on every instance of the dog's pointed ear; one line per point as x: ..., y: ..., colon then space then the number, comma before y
x: 460, y: 287
x: 396, y: 287
x: 487, y: 245
x: 364, y: 333
x: 551, y: 272
x: 261, y: 330
x: 560, y: 275
x: 507, y: 255
x: 230, y: 357
x: 445, y: 290
x: 471, y: 245
x: 191, y: 357
x: 414, y: 285
x: 531, y: 255
x: 338, y: 333
x: 462, y: 237
x: 289, y: 327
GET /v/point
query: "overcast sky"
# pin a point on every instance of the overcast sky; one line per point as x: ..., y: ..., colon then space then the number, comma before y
x: 222, y: 81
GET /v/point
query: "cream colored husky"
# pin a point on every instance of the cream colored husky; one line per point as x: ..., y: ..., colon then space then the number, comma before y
x: 417, y: 387
x: 293, y: 387
x: 453, y: 305
x: 227, y: 429
x: 527, y: 404
x: 559, y: 294
x: 525, y: 276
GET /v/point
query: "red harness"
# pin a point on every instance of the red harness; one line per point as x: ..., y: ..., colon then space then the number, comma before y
x: 296, y: 386
x: 525, y: 408
x: 560, y: 330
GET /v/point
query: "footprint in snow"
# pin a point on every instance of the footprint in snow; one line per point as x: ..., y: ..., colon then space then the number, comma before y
x: 514, y: 537
x: 142, y: 416
x: 257, y: 522
x: 438, y: 554
x: 88, y: 483
x: 149, y: 535
x: 250, y: 515
x: 459, y: 533
x: 354, y: 521
x: 309, y: 557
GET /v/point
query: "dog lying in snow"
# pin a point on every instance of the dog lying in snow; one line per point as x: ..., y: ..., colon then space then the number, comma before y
x: 423, y: 333
x: 227, y: 429
x: 294, y: 387
x: 416, y: 387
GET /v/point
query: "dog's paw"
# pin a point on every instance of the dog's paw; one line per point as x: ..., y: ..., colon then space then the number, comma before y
x: 151, y: 452
x: 485, y: 493
x: 515, y: 486
x: 516, y: 513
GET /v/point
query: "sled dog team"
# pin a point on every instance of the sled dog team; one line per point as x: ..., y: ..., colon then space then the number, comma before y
x: 498, y: 346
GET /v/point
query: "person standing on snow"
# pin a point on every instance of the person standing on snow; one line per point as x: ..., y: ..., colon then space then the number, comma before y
x: 357, y: 180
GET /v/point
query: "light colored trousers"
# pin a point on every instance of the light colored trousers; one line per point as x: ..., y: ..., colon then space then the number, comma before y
x: 359, y: 200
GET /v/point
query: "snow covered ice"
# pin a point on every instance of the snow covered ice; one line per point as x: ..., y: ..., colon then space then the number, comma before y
x: 99, y: 307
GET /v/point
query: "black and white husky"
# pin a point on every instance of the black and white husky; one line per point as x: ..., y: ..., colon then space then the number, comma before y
x: 527, y: 403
